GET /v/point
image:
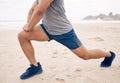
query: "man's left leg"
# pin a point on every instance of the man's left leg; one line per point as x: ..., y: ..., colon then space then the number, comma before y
x: 85, y: 54
x: 71, y: 41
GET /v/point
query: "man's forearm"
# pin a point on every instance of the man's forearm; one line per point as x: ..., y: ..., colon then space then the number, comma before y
x: 38, y: 13
x: 30, y: 15
x: 35, y: 18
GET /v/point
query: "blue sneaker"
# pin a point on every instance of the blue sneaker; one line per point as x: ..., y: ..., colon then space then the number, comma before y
x: 31, y: 71
x: 108, y: 60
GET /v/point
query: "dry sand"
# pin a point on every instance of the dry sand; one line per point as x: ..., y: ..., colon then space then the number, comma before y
x: 60, y: 64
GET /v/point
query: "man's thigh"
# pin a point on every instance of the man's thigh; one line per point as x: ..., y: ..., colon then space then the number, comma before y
x: 37, y: 34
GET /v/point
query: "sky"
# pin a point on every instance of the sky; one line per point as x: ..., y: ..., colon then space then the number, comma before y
x: 78, y: 9
x: 16, y: 10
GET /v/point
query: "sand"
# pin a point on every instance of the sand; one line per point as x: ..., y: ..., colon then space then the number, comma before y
x: 60, y: 64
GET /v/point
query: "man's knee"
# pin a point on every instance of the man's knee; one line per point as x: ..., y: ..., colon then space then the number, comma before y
x: 22, y: 36
x: 82, y: 52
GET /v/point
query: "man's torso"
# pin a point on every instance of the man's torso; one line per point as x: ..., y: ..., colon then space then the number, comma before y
x: 55, y: 20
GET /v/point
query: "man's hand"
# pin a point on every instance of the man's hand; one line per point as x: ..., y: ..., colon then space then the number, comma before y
x: 27, y: 29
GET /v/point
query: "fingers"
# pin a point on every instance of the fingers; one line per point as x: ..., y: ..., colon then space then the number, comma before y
x: 26, y: 29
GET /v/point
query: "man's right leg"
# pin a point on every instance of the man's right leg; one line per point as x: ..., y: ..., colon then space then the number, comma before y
x: 25, y: 41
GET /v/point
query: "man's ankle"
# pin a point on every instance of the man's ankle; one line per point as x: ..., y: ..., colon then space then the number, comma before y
x: 109, y: 54
x: 35, y: 64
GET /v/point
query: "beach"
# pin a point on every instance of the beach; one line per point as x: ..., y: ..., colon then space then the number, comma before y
x: 59, y: 64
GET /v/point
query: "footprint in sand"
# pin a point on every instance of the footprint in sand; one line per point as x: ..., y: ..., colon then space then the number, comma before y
x: 54, y: 56
x: 97, y: 39
x: 68, y: 75
x: 60, y: 80
x: 55, y: 53
x: 78, y: 70
x: 9, y: 66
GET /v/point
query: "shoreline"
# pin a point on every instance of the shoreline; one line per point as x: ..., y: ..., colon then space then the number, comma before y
x: 18, y: 25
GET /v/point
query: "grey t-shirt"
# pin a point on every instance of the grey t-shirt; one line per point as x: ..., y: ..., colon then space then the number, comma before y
x: 55, y: 20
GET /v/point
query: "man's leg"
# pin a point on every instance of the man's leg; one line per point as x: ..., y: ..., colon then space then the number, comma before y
x: 85, y: 54
x: 25, y: 41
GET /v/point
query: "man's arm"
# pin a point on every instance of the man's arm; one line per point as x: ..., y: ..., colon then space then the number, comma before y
x: 37, y: 14
x: 31, y: 11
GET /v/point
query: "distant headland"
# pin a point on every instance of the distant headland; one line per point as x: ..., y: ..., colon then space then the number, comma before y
x: 104, y: 17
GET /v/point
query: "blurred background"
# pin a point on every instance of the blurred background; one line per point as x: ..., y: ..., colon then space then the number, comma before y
x: 15, y: 11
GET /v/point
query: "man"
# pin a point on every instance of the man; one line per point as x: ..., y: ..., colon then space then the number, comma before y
x: 55, y: 26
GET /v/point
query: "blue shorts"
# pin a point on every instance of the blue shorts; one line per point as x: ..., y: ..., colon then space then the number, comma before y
x: 69, y: 39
